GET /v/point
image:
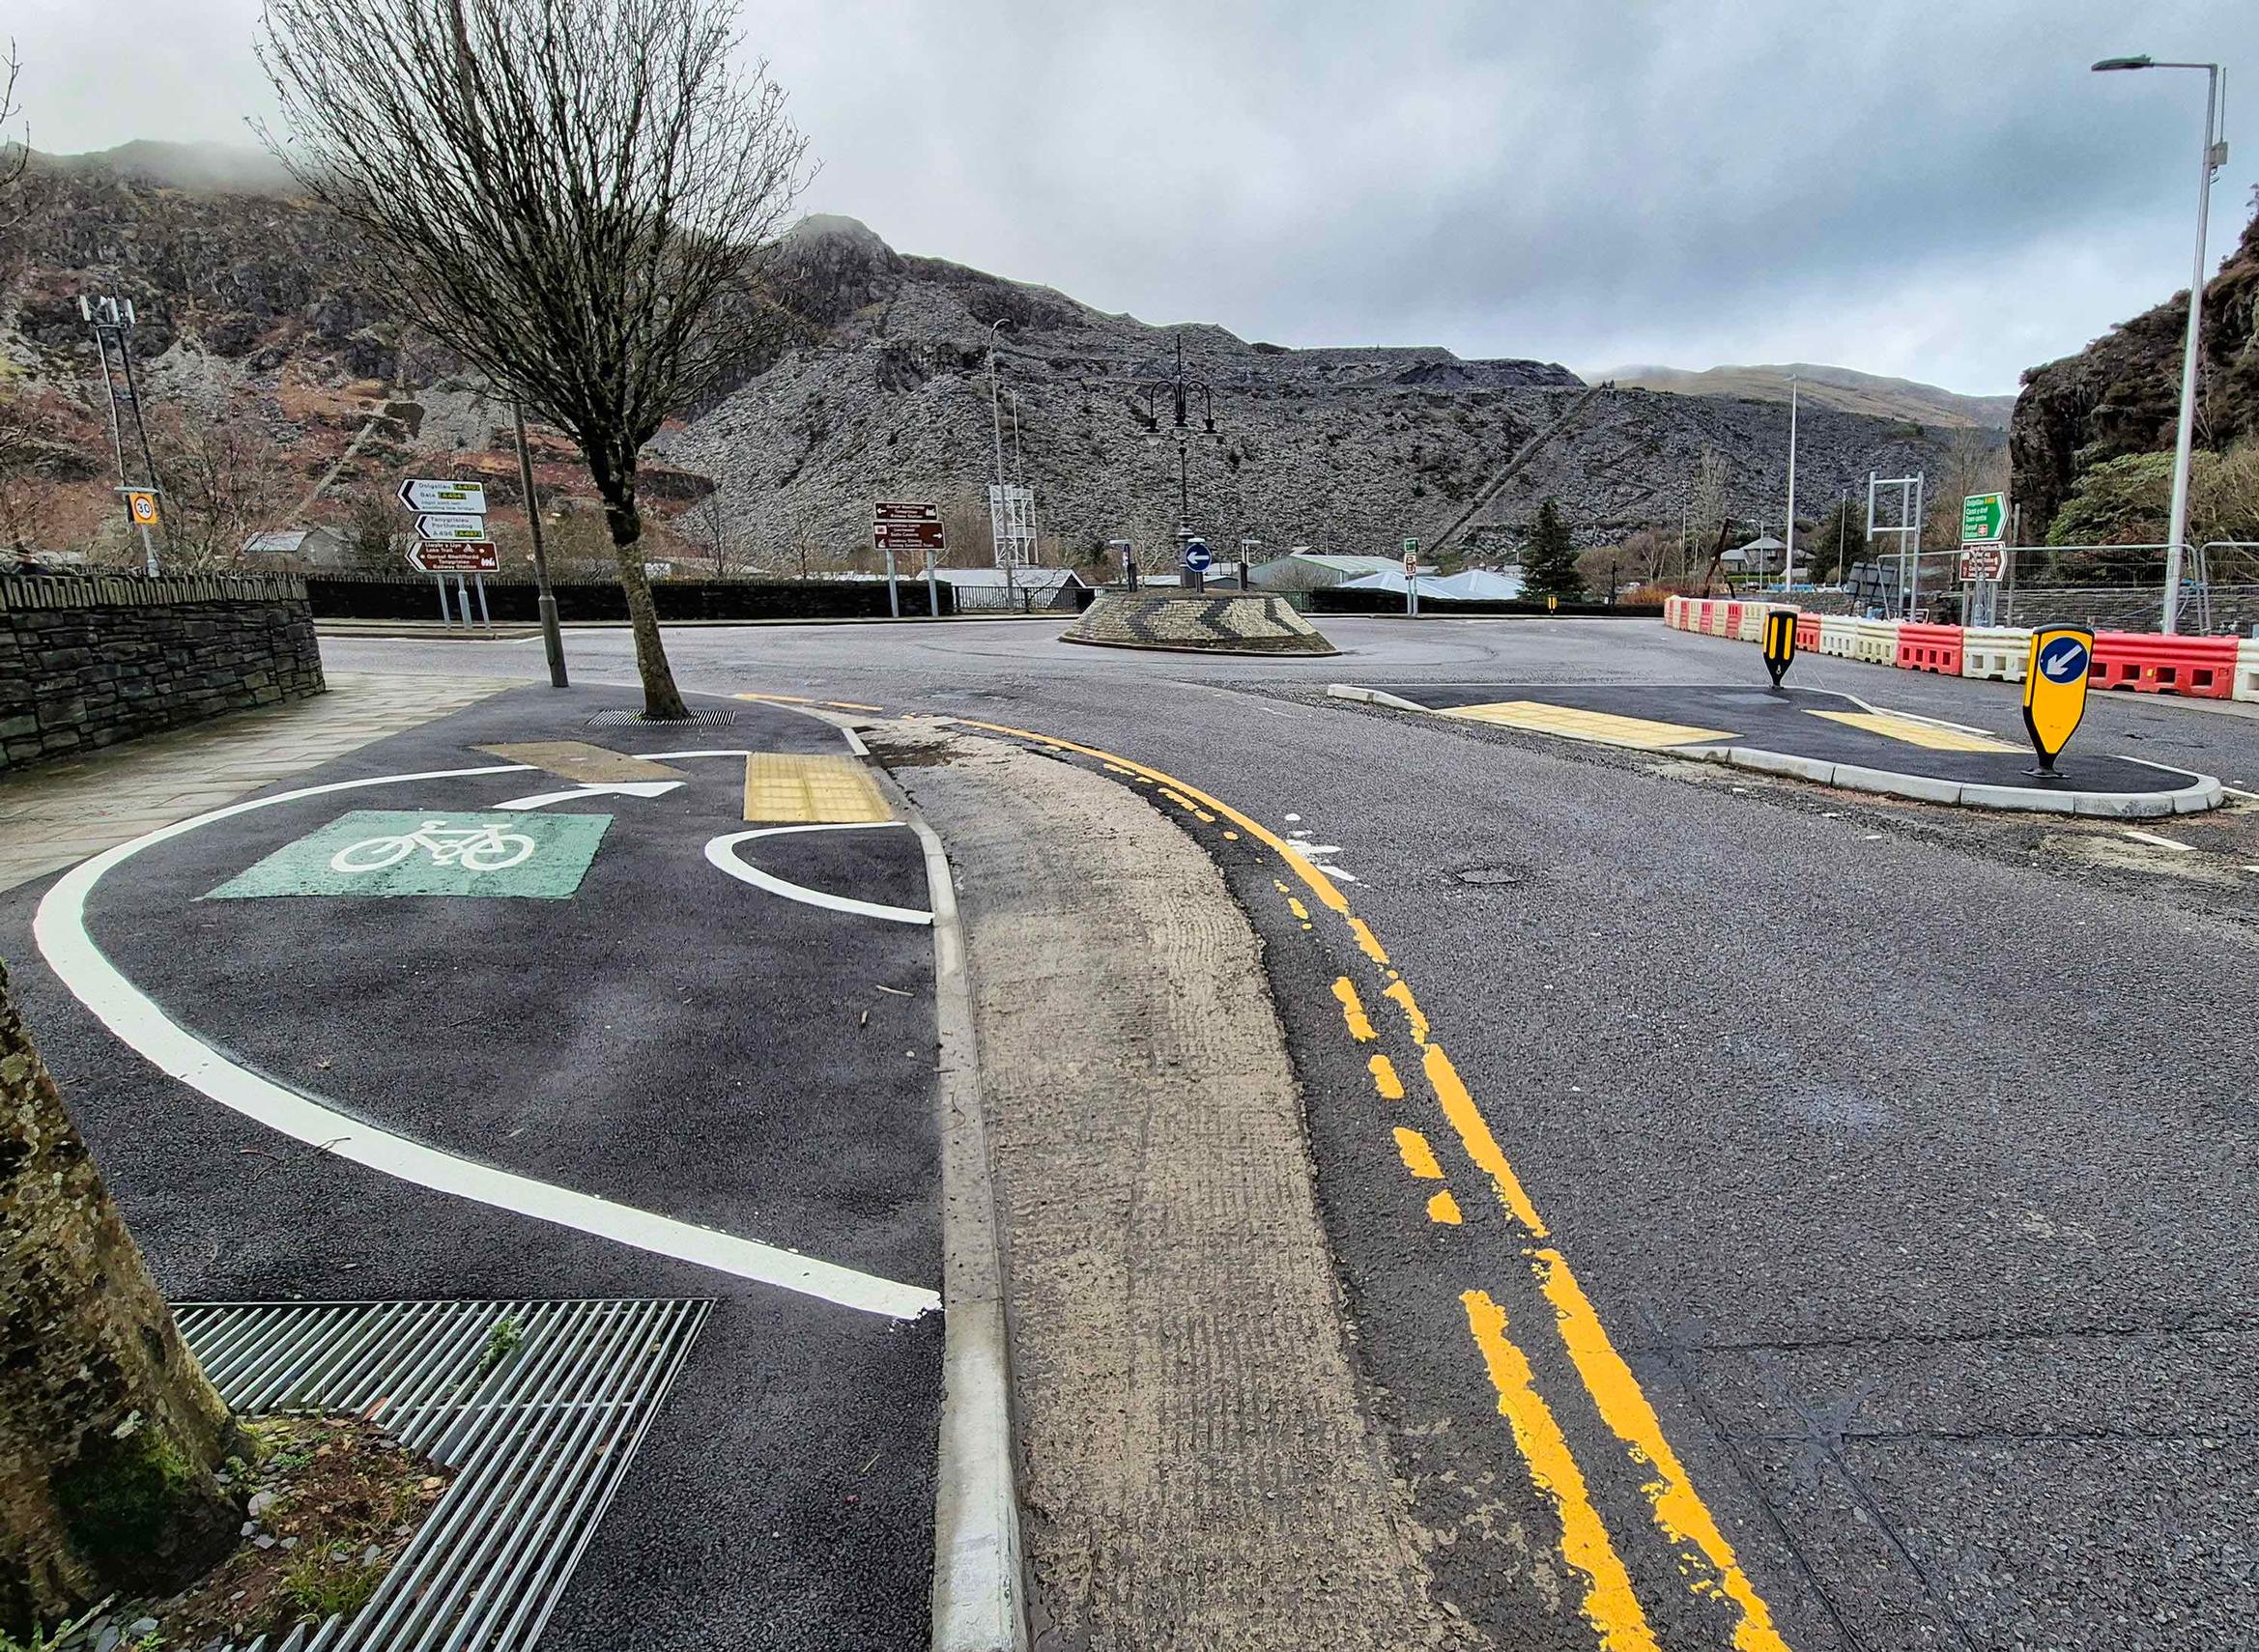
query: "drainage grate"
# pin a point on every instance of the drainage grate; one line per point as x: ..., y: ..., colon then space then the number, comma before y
x: 636, y: 720
x: 540, y: 1438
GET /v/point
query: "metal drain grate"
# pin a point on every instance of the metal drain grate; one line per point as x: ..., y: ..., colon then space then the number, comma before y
x: 540, y: 1438
x: 636, y: 720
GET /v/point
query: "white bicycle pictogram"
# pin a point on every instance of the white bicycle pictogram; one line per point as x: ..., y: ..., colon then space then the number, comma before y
x: 473, y: 848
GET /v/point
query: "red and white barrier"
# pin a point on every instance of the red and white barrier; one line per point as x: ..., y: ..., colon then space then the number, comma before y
x: 2247, y: 685
x: 2000, y: 652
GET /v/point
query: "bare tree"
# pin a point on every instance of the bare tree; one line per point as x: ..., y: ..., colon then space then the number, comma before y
x: 706, y: 527
x: 112, y: 1440
x: 224, y: 481
x: 573, y: 194
x: 15, y: 157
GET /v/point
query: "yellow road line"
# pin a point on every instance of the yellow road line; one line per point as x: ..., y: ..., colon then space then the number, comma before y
x: 1418, y: 1157
x: 1704, y: 1554
x: 1601, y: 728
x: 1913, y: 732
x: 1401, y: 994
x: 1385, y: 1079
x: 797, y: 788
x: 1444, y: 1208
x: 1474, y: 1136
x: 1353, y: 1012
x: 1609, y: 1605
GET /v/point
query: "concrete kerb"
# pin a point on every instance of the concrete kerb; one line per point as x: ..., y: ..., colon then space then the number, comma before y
x: 2206, y: 791
x: 980, y: 1597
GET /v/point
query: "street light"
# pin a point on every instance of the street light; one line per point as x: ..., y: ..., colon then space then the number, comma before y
x: 2215, y: 154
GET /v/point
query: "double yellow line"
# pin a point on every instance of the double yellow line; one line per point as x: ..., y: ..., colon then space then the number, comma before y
x: 1705, y: 1557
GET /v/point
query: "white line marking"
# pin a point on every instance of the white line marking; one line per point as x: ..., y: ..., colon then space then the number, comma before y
x: 135, y: 1019
x: 723, y: 853
x: 617, y: 789
x: 2161, y: 842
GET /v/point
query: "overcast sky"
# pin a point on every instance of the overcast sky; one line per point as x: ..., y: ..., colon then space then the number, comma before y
x: 1936, y: 190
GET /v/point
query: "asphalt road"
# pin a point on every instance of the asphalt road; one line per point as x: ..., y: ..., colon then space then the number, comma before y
x: 1903, y: 1156
x: 636, y: 1026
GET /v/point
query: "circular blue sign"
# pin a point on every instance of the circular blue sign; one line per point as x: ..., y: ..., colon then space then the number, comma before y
x: 2063, y: 660
x: 1197, y: 557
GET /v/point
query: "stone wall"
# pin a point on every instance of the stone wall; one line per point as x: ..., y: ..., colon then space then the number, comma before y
x: 85, y: 662
x: 2235, y: 609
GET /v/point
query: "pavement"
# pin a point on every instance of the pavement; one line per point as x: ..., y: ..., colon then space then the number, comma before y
x: 1900, y: 1154
x: 1759, y: 1215
x: 1815, y: 734
x: 509, y: 1005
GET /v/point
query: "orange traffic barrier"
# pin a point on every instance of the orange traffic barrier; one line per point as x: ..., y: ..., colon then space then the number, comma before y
x: 2202, y: 667
x: 1807, y: 632
x: 1929, y: 648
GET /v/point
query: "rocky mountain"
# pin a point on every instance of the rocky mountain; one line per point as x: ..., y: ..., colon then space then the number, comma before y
x: 258, y: 320
x: 2122, y: 393
x: 1840, y: 388
x: 1349, y: 449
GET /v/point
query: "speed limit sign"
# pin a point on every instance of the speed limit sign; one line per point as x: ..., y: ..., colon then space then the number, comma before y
x: 141, y: 505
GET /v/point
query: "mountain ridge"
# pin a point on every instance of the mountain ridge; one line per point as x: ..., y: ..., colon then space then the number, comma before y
x: 1846, y: 389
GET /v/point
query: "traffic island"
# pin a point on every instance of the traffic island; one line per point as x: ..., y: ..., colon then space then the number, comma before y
x: 1834, y: 739
x: 1235, y: 622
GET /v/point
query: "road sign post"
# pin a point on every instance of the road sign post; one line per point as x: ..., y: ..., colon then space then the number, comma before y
x: 462, y: 498
x: 1984, y: 518
x: 1197, y: 558
x: 908, y: 525
x: 1412, y: 577
x: 2054, y: 691
x: 1984, y: 554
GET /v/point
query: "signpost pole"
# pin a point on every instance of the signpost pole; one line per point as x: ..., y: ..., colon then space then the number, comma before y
x: 932, y: 588
x: 894, y: 588
x: 552, y: 639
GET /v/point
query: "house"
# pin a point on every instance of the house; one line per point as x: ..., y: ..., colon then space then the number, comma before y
x: 1762, y: 554
x: 1475, y: 585
x: 314, y: 547
x: 1300, y: 570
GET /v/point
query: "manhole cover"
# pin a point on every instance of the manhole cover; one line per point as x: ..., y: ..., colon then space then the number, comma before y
x: 636, y: 720
x: 1493, y: 877
x: 539, y: 1433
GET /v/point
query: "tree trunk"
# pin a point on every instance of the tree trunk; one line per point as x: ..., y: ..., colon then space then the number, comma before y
x: 109, y: 1434
x: 616, y: 485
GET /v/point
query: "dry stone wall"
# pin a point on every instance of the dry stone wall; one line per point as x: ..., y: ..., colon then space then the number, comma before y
x: 85, y: 662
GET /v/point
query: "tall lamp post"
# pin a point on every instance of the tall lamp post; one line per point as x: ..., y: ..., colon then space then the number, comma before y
x: 2213, y: 156
x: 1180, y: 390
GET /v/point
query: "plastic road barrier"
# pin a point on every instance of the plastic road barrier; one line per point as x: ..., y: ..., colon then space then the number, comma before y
x: 1808, y: 632
x: 2247, y: 671
x: 1730, y: 623
x: 1929, y: 648
x: 1875, y: 642
x: 1837, y: 635
x: 2002, y: 653
x: 2203, y: 668
x: 1753, y: 621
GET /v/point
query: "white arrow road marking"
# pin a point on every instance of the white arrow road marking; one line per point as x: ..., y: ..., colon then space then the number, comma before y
x: 1314, y: 853
x: 60, y: 928
x: 723, y: 853
x: 617, y: 789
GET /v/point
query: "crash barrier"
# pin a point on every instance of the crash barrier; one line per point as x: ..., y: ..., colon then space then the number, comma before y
x: 1929, y: 648
x: 2001, y: 652
x: 2203, y: 668
x: 1875, y: 642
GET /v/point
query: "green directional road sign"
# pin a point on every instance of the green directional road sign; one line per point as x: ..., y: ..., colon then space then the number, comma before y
x: 1984, y: 519
x: 430, y: 851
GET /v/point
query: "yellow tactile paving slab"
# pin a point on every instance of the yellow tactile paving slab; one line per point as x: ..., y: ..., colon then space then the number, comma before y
x: 578, y: 760
x: 799, y: 791
x: 1600, y: 726
x: 1930, y: 734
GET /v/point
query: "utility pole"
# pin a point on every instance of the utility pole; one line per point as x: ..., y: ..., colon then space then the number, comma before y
x: 1180, y: 390
x: 108, y: 316
x: 2211, y: 158
x: 1789, y: 528
x: 552, y: 639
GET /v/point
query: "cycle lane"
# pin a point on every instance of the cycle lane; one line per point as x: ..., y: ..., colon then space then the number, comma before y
x: 710, y: 1087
